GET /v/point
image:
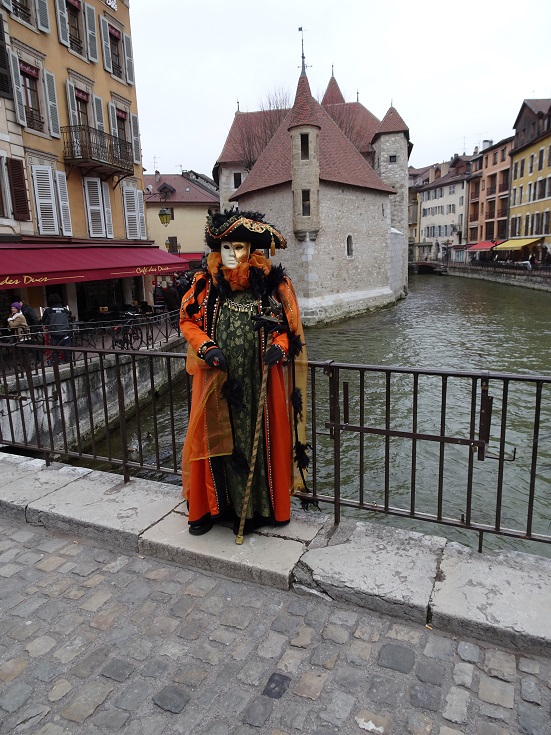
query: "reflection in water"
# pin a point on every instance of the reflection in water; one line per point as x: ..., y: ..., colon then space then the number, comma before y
x: 449, y: 323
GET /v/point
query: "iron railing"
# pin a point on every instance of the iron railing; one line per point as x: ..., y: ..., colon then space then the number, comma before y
x: 465, y: 450
x: 84, y: 144
x: 150, y: 332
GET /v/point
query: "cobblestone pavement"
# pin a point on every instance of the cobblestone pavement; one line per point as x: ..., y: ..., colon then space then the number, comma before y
x: 98, y: 641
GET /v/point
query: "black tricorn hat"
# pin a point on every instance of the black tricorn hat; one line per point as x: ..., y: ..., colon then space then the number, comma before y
x: 236, y: 226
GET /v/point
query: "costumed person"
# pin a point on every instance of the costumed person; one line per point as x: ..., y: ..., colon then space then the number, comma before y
x: 17, y: 322
x: 240, y: 318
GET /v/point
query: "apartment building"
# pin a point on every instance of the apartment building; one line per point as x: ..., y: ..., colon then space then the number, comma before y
x: 72, y: 217
x: 529, y: 225
x: 442, y: 204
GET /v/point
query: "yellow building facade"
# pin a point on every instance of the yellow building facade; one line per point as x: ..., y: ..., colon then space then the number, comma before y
x: 69, y: 117
x: 530, y: 196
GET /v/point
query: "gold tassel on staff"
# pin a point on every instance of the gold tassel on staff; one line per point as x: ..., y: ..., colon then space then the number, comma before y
x: 261, y: 401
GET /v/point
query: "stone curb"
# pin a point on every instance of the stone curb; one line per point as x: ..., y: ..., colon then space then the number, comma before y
x: 501, y: 597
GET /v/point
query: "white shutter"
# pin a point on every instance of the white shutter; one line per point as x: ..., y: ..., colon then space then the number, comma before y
x: 113, y: 119
x: 128, y: 59
x: 105, y: 44
x: 44, y: 196
x: 64, y: 208
x: 42, y: 16
x: 99, y: 118
x: 98, y: 113
x: 131, y: 214
x: 141, y: 215
x: 7, y: 4
x: 91, y: 32
x: 107, y: 207
x: 135, y: 130
x: 72, y: 103
x: 94, y: 206
x: 17, y: 89
x: 51, y: 96
x: 62, y: 22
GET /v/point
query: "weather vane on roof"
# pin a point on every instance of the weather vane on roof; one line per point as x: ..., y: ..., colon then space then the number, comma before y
x: 304, y: 64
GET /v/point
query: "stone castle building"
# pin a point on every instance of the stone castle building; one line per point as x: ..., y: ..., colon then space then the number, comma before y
x: 334, y: 179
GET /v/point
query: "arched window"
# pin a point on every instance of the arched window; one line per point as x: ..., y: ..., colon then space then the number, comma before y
x: 349, y: 247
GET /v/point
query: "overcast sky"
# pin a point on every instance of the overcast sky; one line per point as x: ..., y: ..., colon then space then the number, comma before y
x: 456, y: 72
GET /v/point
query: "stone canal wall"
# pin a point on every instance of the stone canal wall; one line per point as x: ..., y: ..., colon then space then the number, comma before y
x: 526, y: 279
x: 79, y: 402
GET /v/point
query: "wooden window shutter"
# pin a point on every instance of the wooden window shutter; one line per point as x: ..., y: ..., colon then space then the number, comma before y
x: 141, y: 215
x: 135, y: 130
x: 17, y: 90
x: 128, y: 58
x: 113, y: 119
x: 107, y: 207
x: 94, y: 206
x: 98, y: 113
x: 131, y: 214
x: 5, y: 76
x: 62, y: 22
x: 91, y: 33
x: 72, y: 103
x: 45, y: 201
x: 18, y: 189
x: 53, y: 112
x: 42, y: 16
x: 105, y: 44
x: 64, y: 208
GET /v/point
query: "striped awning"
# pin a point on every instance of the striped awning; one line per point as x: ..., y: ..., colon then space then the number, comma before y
x: 518, y: 243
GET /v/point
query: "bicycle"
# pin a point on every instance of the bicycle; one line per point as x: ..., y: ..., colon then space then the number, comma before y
x: 127, y: 336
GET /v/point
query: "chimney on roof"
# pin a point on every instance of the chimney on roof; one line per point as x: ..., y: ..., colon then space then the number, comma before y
x: 157, y: 176
x: 487, y: 144
x: 475, y: 152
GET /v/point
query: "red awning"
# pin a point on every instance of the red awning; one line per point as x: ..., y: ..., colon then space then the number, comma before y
x: 28, y: 266
x: 485, y: 245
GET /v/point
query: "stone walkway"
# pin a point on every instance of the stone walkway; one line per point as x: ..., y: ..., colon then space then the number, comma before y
x: 95, y: 640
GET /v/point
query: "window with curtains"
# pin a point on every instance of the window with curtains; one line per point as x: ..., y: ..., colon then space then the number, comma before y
x: 29, y: 79
x: 116, y: 58
x: 74, y: 17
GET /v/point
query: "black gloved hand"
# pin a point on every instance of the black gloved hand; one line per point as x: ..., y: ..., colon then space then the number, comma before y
x: 215, y: 359
x: 273, y: 355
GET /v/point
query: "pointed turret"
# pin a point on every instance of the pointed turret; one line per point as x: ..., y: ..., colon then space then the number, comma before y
x: 333, y: 94
x: 392, y: 123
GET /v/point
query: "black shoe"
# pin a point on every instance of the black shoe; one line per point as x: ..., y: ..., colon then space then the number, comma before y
x: 199, y: 528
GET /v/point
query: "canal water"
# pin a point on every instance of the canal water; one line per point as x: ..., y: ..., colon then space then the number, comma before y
x: 449, y: 323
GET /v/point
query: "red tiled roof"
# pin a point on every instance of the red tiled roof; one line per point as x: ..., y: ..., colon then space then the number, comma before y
x: 333, y: 94
x: 357, y: 123
x: 392, y: 123
x: 304, y: 111
x: 249, y: 130
x: 340, y: 161
x: 186, y: 190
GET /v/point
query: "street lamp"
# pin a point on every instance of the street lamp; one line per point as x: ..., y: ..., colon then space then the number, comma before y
x: 164, y: 216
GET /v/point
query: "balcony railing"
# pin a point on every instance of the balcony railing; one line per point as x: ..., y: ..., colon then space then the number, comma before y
x: 21, y: 10
x: 35, y: 121
x: 491, y: 214
x: 475, y: 195
x: 503, y: 187
x: 490, y: 191
x: 473, y: 218
x: 502, y: 212
x: 84, y: 144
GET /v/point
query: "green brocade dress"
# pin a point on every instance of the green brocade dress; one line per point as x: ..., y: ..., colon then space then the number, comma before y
x: 239, y: 342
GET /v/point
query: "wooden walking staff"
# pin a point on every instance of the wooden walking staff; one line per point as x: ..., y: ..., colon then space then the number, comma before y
x: 271, y: 317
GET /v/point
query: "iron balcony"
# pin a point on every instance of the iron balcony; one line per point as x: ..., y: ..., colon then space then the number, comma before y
x: 92, y: 148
